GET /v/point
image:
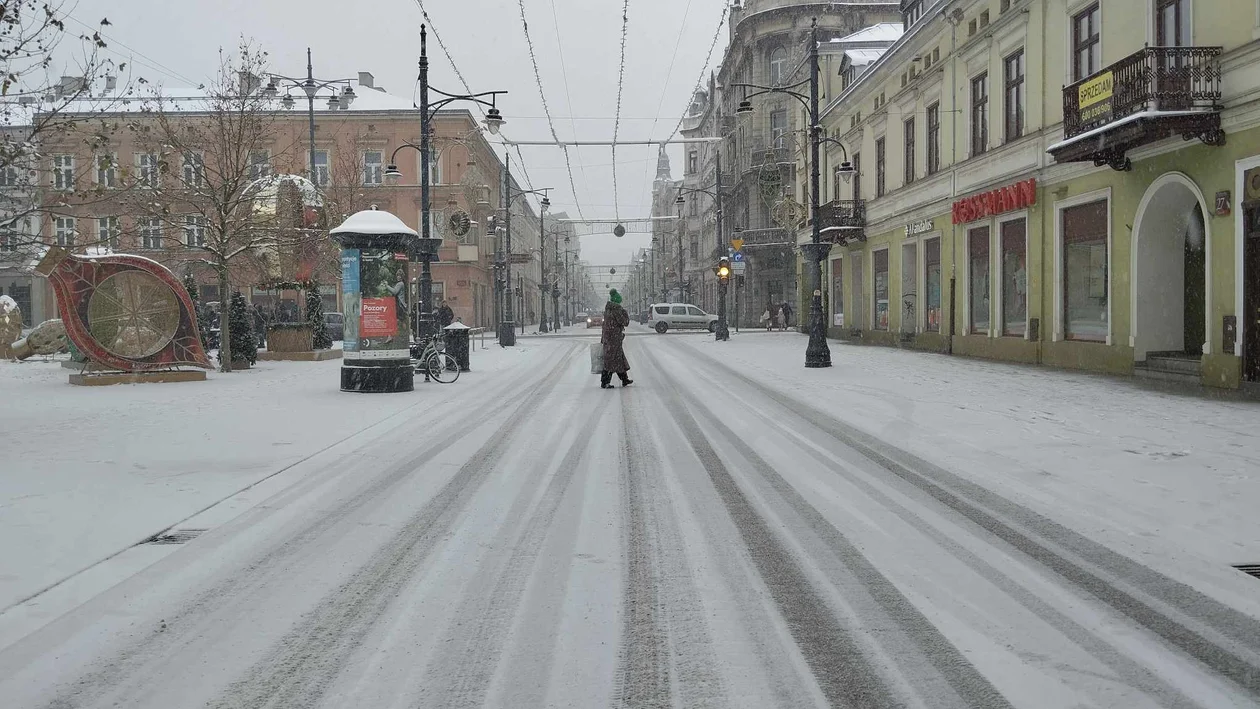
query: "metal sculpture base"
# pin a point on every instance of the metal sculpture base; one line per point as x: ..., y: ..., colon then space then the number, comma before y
x: 385, y: 379
x: 111, y: 378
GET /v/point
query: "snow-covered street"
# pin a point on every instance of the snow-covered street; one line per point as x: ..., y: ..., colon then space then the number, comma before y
x: 732, y: 530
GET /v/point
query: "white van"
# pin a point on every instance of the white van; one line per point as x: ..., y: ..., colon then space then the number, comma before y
x: 681, y: 316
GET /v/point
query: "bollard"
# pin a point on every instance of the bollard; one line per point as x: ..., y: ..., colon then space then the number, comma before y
x: 457, y: 343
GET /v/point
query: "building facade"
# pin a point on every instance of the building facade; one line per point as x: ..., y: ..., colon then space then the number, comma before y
x: 90, y: 189
x: 768, y: 47
x: 1069, y: 183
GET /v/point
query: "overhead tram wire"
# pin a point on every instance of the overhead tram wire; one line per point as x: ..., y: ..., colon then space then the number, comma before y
x: 533, y: 58
x: 464, y: 82
x: 717, y: 35
x: 682, y: 28
x: 568, y: 96
x: 621, y: 83
x: 149, y: 62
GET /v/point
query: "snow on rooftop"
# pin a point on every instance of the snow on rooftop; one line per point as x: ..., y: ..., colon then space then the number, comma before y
x: 862, y: 57
x: 882, y: 32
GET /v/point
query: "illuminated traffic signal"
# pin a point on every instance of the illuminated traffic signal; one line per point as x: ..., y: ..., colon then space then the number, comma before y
x: 723, y: 269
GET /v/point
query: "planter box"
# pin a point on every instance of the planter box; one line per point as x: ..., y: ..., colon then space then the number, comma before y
x: 113, y: 378
x: 289, y: 339
x: 308, y: 356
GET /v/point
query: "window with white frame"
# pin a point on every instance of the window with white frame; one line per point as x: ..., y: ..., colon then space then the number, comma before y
x: 693, y: 162
x: 980, y: 114
x: 933, y: 138
x: 63, y: 172
x: 194, y: 169
x: 194, y: 230
x: 63, y: 231
x: 107, y: 170
x: 1086, y: 42
x: 147, y: 169
x: 978, y: 281
x: 320, y: 173
x: 1084, y: 271
x: 150, y: 232
x: 1015, y: 95
x: 14, y: 233
x: 779, y: 128
x: 881, y: 166
x: 108, y: 231
x: 1014, y: 240
x: 259, y: 164
x: 373, y: 172
x: 9, y: 176
x: 778, y: 66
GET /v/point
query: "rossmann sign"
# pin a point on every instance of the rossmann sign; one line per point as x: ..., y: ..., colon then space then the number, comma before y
x: 1020, y: 195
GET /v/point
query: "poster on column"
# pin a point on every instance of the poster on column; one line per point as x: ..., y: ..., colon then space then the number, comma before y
x: 351, y: 299
x: 383, y: 328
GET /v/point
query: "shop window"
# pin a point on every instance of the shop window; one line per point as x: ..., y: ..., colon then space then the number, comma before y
x: 932, y: 284
x: 978, y: 279
x: 837, y: 293
x: 881, y: 289
x: 909, y: 294
x: 859, y: 298
x: 1014, y: 278
x: 1085, y: 272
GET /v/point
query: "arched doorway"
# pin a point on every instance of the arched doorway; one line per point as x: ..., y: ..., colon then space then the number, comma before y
x: 1170, y: 247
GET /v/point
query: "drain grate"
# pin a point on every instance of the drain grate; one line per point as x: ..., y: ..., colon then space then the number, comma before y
x: 175, y: 536
x: 1249, y: 569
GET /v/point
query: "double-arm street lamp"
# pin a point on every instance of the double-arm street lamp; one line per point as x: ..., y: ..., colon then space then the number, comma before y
x: 507, y: 333
x: 817, y: 354
x: 715, y: 191
x: 428, y: 245
x: 337, y: 100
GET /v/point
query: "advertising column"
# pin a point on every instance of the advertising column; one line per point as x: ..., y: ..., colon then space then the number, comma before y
x: 377, y: 341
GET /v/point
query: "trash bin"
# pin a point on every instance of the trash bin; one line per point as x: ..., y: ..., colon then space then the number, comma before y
x: 457, y: 343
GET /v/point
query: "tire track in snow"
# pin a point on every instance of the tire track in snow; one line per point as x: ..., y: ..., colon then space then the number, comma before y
x: 307, y: 660
x: 692, y: 667
x: 834, y: 652
x: 1136, y: 675
x: 462, y: 674
x: 970, y: 688
x: 126, y: 669
x: 1220, y: 637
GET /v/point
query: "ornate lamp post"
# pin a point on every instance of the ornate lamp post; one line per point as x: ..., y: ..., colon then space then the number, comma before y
x: 494, y: 121
x: 817, y: 354
x: 311, y: 87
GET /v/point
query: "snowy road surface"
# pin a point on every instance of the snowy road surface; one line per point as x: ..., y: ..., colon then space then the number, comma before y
x: 707, y: 537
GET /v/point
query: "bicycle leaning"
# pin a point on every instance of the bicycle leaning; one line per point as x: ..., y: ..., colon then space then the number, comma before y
x: 429, y: 358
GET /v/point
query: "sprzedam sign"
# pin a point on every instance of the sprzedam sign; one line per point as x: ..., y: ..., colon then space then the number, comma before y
x: 1094, y: 97
x: 1020, y: 195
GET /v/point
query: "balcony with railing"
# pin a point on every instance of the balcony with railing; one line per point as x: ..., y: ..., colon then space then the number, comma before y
x: 843, y: 221
x: 1153, y: 94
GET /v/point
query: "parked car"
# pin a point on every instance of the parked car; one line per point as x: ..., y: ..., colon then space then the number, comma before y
x: 595, y: 320
x: 335, y: 324
x: 663, y: 317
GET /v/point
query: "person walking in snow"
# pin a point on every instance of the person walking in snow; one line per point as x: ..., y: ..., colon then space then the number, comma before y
x: 787, y: 315
x: 446, y: 316
x: 613, y: 335
x: 767, y: 320
x: 783, y: 317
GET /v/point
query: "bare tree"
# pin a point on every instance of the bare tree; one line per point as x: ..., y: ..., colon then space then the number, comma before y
x: 39, y: 109
x: 216, y: 153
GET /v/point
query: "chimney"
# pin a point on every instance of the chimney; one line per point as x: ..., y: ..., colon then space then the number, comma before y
x: 366, y: 79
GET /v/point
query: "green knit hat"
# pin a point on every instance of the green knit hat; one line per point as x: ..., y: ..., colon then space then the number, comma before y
x: 614, y: 296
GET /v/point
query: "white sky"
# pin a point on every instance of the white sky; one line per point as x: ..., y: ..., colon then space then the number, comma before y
x: 179, y: 43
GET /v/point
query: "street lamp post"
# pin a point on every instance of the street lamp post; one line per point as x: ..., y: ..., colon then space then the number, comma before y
x: 428, y: 110
x: 542, y: 261
x: 311, y: 87
x: 817, y: 354
x: 722, y: 331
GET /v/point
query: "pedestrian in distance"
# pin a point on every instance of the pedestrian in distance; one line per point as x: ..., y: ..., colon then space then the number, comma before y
x: 787, y: 315
x: 612, y: 336
x: 767, y: 320
x: 446, y: 316
x: 783, y: 317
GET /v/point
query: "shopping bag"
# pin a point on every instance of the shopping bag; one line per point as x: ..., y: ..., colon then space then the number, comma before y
x: 597, y: 358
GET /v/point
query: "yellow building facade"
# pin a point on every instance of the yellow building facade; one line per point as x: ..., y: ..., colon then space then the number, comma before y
x: 1063, y: 182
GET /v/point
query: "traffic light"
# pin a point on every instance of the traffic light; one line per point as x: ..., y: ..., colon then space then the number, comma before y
x: 723, y: 269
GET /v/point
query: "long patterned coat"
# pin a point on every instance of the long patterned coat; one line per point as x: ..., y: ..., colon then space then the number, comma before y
x: 616, y: 320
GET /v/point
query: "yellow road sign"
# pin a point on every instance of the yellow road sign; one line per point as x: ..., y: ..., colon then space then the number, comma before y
x: 737, y: 244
